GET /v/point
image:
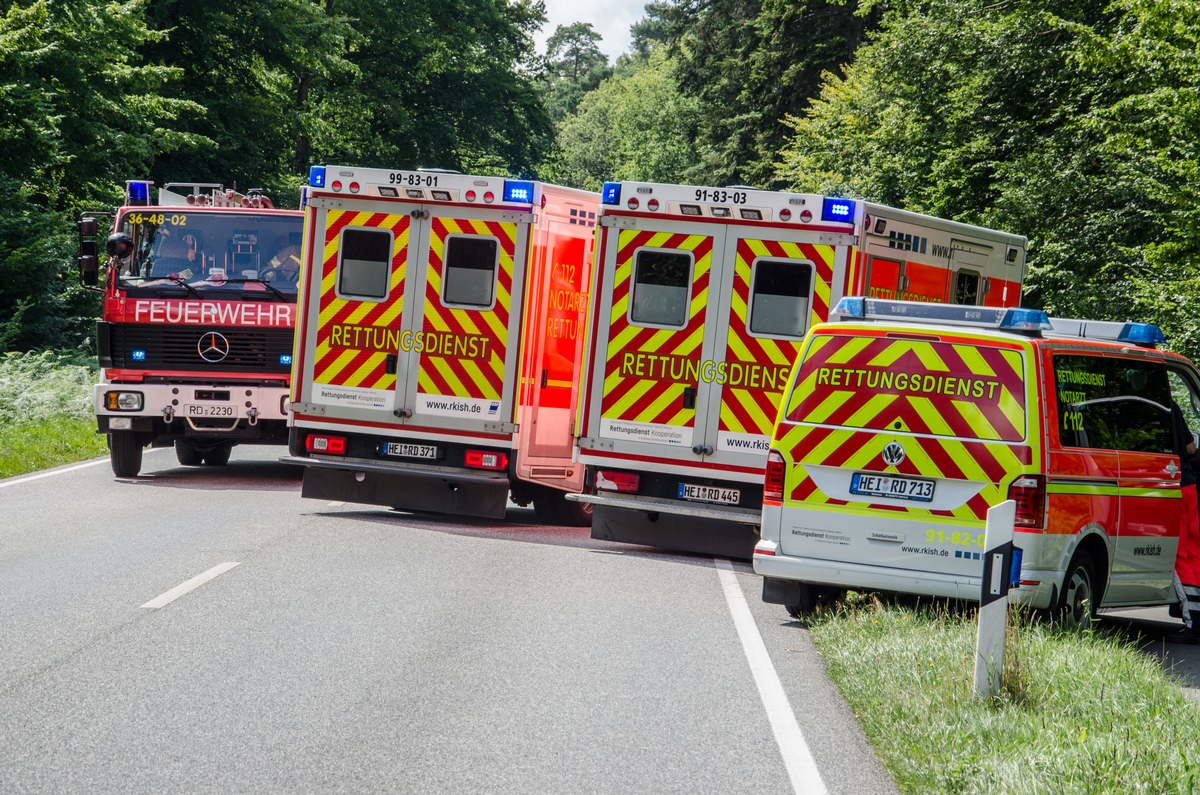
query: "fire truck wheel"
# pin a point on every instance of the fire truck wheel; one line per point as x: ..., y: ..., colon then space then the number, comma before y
x: 812, y: 597
x: 187, y: 454
x: 575, y: 514
x: 1076, y: 608
x: 218, y: 456
x: 125, y: 453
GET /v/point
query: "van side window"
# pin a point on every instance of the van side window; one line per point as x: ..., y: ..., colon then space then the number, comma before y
x: 1108, y: 403
x: 779, y: 298
x: 661, y: 282
x: 365, y: 268
x: 966, y: 288
x: 470, y: 271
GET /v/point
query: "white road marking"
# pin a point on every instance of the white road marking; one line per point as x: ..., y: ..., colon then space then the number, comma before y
x: 334, y: 504
x: 190, y: 585
x: 63, y: 471
x: 801, y: 767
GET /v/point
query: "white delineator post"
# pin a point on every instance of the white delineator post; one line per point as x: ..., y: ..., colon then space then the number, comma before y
x: 993, y: 598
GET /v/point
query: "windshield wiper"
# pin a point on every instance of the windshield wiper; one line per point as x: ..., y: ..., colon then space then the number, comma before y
x: 180, y: 282
x: 241, y: 280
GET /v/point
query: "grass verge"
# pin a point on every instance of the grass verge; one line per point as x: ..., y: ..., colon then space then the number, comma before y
x: 1078, y: 713
x: 39, y: 444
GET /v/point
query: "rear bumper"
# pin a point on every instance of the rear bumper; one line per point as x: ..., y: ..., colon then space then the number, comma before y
x: 672, y: 507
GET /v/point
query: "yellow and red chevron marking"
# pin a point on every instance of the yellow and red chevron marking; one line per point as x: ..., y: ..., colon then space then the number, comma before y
x: 944, y: 388
x: 475, y: 369
x: 648, y: 368
x: 753, y: 410
x: 354, y: 337
x: 994, y: 464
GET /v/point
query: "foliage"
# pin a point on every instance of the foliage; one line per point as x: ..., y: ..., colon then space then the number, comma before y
x: 634, y: 126
x: 41, y: 386
x: 575, y: 66
x: 1078, y: 713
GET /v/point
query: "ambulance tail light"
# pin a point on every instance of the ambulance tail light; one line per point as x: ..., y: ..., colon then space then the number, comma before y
x: 773, y: 483
x: 626, y: 482
x: 485, y: 459
x: 1029, y: 493
x: 329, y: 445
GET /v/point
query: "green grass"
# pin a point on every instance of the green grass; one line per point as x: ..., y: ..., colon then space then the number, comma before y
x: 46, y: 414
x: 1078, y: 713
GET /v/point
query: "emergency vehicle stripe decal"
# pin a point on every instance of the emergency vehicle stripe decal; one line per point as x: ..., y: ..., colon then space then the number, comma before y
x: 468, y: 357
x: 648, y: 368
x: 355, y: 336
x: 760, y: 364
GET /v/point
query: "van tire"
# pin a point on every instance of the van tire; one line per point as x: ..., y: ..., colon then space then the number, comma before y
x: 575, y: 514
x: 125, y: 453
x: 1076, y: 608
x: 812, y: 597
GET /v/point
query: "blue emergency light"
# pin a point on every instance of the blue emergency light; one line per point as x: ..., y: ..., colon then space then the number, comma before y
x: 285, y: 359
x: 516, y: 190
x: 1141, y: 334
x: 316, y: 176
x: 138, y: 355
x: 1025, y: 320
x: 610, y: 193
x: 838, y: 210
x: 137, y: 192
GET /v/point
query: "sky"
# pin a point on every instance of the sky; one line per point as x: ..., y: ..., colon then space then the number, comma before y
x: 610, y: 18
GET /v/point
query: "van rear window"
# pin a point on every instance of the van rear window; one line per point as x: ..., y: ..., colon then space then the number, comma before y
x: 917, y: 386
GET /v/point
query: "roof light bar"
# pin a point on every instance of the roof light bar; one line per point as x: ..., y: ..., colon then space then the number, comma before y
x: 1146, y: 334
x: 955, y: 314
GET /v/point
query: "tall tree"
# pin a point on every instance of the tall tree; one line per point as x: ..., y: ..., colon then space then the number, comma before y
x: 575, y: 66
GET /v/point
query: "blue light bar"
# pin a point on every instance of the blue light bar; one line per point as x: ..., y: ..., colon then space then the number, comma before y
x: 610, y: 193
x: 285, y: 359
x: 1025, y: 320
x: 138, y: 355
x: 852, y: 307
x: 1141, y: 334
x: 520, y: 191
x: 137, y: 192
x: 316, y: 176
x: 839, y: 210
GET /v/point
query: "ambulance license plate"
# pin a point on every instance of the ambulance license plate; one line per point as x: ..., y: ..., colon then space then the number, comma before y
x: 901, y: 488
x: 400, y: 450
x: 690, y: 491
x: 207, y: 410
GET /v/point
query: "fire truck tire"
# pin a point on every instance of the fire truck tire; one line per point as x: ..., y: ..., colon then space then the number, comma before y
x: 575, y: 514
x: 187, y: 454
x: 218, y: 456
x: 125, y: 453
x: 813, y: 596
x: 1076, y: 608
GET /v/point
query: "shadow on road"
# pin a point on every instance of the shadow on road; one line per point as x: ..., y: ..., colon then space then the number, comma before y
x: 237, y: 475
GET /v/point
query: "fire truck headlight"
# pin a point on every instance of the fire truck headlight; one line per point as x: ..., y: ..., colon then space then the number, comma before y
x: 123, y: 401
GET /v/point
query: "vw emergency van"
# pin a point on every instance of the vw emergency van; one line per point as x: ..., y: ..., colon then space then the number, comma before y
x: 903, y: 423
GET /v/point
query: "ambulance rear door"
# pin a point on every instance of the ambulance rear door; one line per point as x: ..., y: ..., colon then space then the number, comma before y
x: 656, y: 291
x: 779, y: 282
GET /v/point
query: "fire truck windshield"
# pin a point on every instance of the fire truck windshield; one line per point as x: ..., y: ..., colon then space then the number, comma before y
x: 206, y: 252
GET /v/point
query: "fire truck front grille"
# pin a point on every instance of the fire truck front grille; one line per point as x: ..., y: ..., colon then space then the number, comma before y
x: 201, y: 350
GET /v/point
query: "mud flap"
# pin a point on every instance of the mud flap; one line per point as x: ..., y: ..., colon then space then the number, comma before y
x: 407, y: 492
x: 673, y: 531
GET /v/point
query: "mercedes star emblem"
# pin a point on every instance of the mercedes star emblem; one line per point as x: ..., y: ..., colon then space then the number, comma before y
x: 213, y: 347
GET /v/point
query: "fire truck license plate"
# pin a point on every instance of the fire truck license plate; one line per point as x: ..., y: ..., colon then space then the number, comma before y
x: 410, y: 450
x: 205, y: 410
x: 900, y: 488
x: 690, y: 491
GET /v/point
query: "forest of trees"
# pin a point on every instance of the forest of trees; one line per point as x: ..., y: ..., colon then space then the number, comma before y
x: 1073, y: 122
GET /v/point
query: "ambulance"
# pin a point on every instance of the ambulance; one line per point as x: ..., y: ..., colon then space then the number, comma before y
x: 440, y: 335
x: 702, y: 297
x: 903, y: 423
x: 195, y: 333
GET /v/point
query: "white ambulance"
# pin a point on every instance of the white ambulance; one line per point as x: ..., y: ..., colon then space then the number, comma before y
x: 439, y: 340
x: 701, y: 298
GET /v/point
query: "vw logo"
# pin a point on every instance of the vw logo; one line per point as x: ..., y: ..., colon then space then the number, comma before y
x: 893, y: 454
x: 212, y: 347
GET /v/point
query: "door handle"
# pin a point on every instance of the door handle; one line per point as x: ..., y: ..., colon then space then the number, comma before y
x: 389, y: 363
x: 689, y: 397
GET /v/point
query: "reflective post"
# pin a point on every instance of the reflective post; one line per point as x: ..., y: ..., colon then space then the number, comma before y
x: 993, y: 598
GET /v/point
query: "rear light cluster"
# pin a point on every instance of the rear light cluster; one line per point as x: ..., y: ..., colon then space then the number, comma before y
x: 1029, y: 493
x: 485, y: 459
x: 625, y: 482
x: 773, y: 482
x: 330, y: 445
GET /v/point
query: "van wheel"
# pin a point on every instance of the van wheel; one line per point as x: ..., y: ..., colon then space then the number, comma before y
x: 187, y: 454
x: 812, y: 597
x: 218, y: 456
x: 575, y: 514
x: 1076, y: 608
x: 125, y: 453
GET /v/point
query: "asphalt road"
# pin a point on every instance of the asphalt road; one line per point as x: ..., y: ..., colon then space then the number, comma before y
x: 341, y: 648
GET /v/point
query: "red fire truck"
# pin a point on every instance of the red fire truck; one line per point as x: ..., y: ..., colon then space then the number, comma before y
x: 700, y: 300
x: 195, y: 334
